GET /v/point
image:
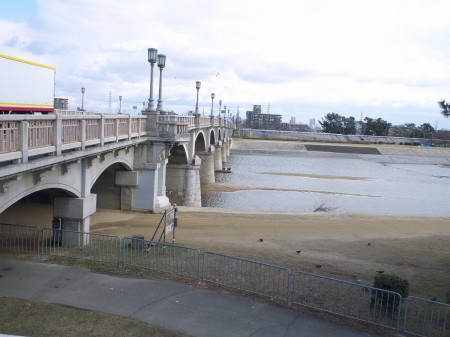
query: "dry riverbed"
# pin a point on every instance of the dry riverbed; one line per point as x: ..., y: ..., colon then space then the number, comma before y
x: 414, y: 247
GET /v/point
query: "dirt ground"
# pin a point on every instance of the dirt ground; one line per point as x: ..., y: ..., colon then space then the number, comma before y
x: 413, y: 247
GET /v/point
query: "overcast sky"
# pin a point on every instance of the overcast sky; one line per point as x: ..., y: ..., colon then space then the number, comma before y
x: 297, y: 58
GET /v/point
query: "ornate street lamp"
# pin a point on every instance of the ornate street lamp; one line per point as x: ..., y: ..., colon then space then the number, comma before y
x: 82, y: 98
x: 161, y: 65
x: 198, y: 84
x: 152, y: 52
x: 224, y: 111
x: 120, y: 104
x: 220, y: 107
x: 212, y: 104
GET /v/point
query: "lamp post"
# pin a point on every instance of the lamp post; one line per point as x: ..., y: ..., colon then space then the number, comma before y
x: 220, y: 107
x: 152, y: 52
x: 212, y: 104
x: 161, y: 65
x: 120, y: 104
x: 225, y: 110
x: 198, y: 84
x: 82, y: 98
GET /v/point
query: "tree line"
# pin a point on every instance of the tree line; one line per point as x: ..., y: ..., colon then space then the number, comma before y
x: 335, y: 123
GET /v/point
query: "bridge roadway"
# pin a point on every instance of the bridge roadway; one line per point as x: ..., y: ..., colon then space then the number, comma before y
x: 79, y: 161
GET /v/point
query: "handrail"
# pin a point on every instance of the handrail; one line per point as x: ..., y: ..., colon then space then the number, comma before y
x: 24, y: 136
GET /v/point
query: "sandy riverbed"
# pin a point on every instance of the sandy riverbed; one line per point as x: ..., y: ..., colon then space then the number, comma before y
x: 414, y: 247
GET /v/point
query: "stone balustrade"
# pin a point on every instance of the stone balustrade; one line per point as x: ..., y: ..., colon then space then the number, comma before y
x: 25, y: 136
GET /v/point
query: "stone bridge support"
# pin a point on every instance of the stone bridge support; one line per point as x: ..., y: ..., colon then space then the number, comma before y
x: 218, y: 157
x: 224, y: 154
x: 150, y: 191
x: 207, y: 175
x: 75, y: 216
x: 228, y: 147
x: 183, y: 183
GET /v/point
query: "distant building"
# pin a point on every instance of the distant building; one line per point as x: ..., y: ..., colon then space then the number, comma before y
x: 292, y: 120
x: 257, y: 120
x: 61, y: 103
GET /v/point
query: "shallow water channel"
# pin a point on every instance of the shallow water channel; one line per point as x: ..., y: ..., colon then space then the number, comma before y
x: 297, y: 183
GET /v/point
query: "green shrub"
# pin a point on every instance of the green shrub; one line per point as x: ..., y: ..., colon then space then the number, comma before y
x: 392, y: 283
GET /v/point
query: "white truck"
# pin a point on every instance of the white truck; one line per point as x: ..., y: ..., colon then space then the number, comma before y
x: 26, y: 87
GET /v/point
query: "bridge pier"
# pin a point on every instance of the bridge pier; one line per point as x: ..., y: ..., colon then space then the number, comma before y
x: 218, y: 157
x: 183, y: 182
x: 207, y: 175
x: 75, y: 215
x: 228, y: 147
x: 161, y: 200
x: 224, y: 154
x: 150, y: 163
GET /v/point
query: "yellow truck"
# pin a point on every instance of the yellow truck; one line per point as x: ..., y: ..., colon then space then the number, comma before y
x: 26, y: 87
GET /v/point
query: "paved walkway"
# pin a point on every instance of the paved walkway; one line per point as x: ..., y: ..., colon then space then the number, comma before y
x: 177, y: 306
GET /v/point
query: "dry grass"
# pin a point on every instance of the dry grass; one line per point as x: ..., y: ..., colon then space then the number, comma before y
x: 23, y: 317
x: 415, y: 248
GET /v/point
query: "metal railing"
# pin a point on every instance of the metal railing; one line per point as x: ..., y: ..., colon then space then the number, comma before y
x: 426, y: 318
x: 411, y: 316
x: 246, y: 275
x: 20, y: 239
x: 78, y: 245
x: 161, y: 257
x: 348, y: 299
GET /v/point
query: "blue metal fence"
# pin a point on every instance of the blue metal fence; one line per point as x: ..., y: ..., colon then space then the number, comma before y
x: 246, y: 275
x: 19, y: 238
x: 351, y: 300
x: 79, y: 245
x: 411, y: 316
x: 426, y: 318
x: 162, y: 257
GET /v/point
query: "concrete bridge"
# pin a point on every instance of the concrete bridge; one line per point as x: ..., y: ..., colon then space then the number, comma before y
x: 79, y: 161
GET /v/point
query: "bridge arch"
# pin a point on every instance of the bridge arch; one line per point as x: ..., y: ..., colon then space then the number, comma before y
x: 107, y: 165
x: 51, y: 187
x: 200, y: 143
x: 212, y: 137
x: 178, y: 154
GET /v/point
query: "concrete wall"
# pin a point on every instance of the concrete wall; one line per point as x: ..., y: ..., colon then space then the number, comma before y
x: 324, y: 137
x: 383, y: 153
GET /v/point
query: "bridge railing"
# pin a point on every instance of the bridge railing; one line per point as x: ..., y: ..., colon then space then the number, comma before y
x: 24, y: 136
x: 173, y: 125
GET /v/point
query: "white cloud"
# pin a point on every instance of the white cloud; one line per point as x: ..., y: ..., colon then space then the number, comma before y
x: 306, y: 58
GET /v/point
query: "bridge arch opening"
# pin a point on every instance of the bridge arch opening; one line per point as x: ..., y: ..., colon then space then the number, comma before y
x: 200, y: 143
x: 178, y: 155
x: 212, y: 138
x: 35, y: 208
x: 109, y: 194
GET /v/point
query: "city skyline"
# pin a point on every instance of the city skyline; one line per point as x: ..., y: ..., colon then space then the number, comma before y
x: 383, y: 59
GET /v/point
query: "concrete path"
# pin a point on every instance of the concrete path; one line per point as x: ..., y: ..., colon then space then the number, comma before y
x: 177, y: 306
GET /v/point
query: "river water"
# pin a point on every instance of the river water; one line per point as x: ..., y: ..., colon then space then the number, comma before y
x: 296, y: 183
